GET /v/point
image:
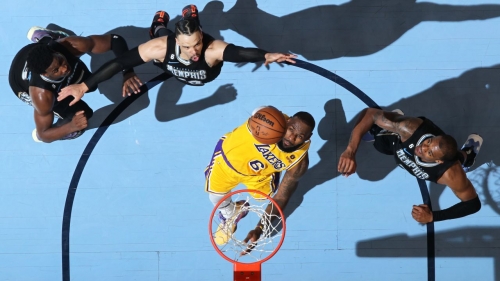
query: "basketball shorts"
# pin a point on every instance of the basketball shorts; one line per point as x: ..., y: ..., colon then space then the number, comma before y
x: 221, y: 178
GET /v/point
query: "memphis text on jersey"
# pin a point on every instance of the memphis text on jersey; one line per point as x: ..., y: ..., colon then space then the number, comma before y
x: 419, y: 173
x: 187, y: 73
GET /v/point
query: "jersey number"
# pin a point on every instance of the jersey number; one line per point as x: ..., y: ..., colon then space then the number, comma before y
x: 256, y: 165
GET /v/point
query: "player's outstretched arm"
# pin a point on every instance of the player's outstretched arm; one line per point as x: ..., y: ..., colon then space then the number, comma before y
x: 223, y: 51
x: 98, y: 44
x: 153, y: 49
x: 285, y: 191
x: 455, y: 179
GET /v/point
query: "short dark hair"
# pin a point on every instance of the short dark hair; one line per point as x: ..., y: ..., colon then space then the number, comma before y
x: 307, y: 118
x: 448, y: 145
x: 186, y: 27
x: 40, y: 58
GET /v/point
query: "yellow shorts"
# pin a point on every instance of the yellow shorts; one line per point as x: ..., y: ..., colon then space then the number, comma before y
x: 220, y: 178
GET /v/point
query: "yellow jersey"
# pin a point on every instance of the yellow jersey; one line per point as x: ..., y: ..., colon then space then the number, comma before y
x: 244, y: 154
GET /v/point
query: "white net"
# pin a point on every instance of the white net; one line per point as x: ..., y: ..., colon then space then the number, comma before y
x: 232, y: 244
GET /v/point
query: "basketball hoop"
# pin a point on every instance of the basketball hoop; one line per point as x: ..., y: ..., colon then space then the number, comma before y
x: 247, y: 267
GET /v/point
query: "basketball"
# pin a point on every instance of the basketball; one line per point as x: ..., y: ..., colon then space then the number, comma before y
x: 268, y: 125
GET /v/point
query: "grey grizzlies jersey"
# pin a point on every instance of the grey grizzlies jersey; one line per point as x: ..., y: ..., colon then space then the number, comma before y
x: 189, y: 72
x: 404, y: 153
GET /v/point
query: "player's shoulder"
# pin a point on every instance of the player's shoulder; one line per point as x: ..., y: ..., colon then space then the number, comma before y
x: 454, y: 175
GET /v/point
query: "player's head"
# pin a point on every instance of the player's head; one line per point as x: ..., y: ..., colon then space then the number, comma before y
x: 188, y: 37
x: 437, y: 149
x: 298, y: 129
x: 45, y: 61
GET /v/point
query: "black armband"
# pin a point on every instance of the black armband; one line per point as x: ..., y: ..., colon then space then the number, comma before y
x: 234, y: 53
x: 127, y: 60
x: 119, y: 47
x: 459, y: 210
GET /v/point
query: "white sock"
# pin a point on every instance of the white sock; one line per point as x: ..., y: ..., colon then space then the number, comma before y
x: 226, y: 208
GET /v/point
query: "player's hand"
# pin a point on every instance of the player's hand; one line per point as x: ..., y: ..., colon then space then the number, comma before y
x: 131, y: 84
x: 422, y: 213
x: 75, y: 90
x: 79, y: 121
x: 347, y: 163
x: 279, y: 57
x: 251, y: 240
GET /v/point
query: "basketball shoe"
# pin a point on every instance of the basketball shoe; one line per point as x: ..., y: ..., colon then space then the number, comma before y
x: 191, y: 12
x: 36, y: 33
x: 376, y: 130
x: 228, y: 225
x: 160, y: 20
x: 471, y: 148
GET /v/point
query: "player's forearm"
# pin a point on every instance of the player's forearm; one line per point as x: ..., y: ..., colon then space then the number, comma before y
x: 234, y: 53
x: 459, y: 210
x: 54, y: 133
x: 363, y: 125
x: 128, y: 60
x: 119, y: 47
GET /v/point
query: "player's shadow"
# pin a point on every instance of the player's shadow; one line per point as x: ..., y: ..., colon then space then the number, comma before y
x: 167, y: 105
x: 470, y: 242
x: 352, y: 29
x: 460, y: 106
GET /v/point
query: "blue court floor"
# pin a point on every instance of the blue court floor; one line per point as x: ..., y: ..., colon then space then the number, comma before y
x: 128, y: 203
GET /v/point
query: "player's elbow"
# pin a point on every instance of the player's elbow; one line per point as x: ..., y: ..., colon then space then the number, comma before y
x: 476, y: 205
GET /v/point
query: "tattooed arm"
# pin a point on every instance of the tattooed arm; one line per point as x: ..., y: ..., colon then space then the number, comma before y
x: 286, y: 189
x: 391, y: 121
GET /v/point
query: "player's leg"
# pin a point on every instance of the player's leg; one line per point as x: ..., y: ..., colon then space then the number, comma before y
x: 469, y: 151
x: 159, y: 25
x: 220, y: 179
x: 36, y: 33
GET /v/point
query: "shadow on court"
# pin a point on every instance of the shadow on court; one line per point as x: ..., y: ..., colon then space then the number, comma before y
x: 473, y: 242
x: 355, y: 28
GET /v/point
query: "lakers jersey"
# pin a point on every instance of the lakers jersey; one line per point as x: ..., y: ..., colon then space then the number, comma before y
x: 244, y: 154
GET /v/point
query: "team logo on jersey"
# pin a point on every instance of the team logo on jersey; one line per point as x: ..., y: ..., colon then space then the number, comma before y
x: 172, y: 56
x: 269, y: 156
x: 411, y: 146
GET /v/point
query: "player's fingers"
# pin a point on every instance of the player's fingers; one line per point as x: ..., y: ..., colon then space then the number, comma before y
x: 62, y: 95
x: 137, y: 80
x: 133, y: 87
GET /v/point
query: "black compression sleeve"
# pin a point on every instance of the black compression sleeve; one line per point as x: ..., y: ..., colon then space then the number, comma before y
x: 459, y: 210
x: 119, y: 47
x: 127, y: 60
x: 234, y: 53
